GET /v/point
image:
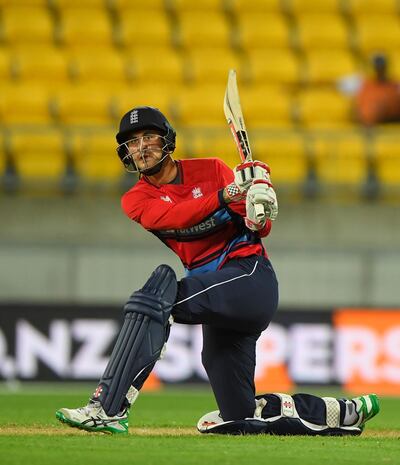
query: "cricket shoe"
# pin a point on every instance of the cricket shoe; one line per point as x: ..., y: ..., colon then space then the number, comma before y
x: 366, y: 407
x: 93, y: 418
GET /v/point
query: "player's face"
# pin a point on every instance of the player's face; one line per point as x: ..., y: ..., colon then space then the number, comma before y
x: 145, y: 147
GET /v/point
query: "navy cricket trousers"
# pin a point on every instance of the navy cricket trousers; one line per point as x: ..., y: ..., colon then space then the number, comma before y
x: 234, y: 305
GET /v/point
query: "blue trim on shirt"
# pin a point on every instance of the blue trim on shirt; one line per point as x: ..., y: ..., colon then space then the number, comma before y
x: 213, y: 265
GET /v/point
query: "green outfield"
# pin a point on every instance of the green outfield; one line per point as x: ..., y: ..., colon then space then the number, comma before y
x: 163, y: 431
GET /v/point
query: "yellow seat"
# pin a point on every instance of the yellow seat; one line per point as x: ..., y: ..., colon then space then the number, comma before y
x: 319, y: 30
x: 84, y: 27
x: 66, y: 4
x: 123, y: 6
x: 356, y: 7
x: 110, y: 69
x: 327, y: 66
x: 94, y: 156
x: 386, y: 150
x: 25, y: 104
x: 262, y: 31
x: 320, y: 108
x: 126, y: 98
x: 203, y: 29
x: 377, y: 33
x: 3, y: 161
x: 181, y: 6
x: 274, y: 66
x: 394, y: 64
x: 266, y: 107
x: 211, y: 65
x: 5, y: 65
x: 25, y: 3
x: 46, y: 66
x: 285, y: 153
x: 339, y: 158
x: 155, y: 64
x: 38, y: 155
x: 201, y: 106
x: 218, y: 144
x: 239, y: 7
x: 144, y: 28
x: 27, y: 25
x: 298, y: 7
x: 84, y: 105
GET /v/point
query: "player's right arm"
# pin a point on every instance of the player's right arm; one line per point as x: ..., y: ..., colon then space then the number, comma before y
x: 157, y: 214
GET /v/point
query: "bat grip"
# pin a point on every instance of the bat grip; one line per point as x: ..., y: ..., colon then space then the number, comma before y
x: 259, y: 209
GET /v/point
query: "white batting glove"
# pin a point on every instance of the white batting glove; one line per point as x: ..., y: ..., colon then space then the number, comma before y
x: 260, y: 192
x: 246, y: 172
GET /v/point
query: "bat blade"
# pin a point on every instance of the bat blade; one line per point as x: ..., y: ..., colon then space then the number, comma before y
x: 234, y: 116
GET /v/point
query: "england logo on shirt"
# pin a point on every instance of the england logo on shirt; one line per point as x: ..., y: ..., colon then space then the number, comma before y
x: 197, y: 192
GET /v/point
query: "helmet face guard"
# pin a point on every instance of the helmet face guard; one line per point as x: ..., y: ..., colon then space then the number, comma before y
x: 139, y: 119
x: 140, y: 147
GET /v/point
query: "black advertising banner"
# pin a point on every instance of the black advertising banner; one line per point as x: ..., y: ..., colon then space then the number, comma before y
x: 325, y: 347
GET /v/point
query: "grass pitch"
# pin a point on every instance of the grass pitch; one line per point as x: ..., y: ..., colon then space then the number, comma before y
x: 162, y: 431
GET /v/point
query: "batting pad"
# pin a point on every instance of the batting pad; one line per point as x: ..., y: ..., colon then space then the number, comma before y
x: 286, y: 421
x: 142, y: 337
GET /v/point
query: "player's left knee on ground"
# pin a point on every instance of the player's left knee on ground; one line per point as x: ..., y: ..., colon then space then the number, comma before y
x: 141, y: 339
x: 282, y: 414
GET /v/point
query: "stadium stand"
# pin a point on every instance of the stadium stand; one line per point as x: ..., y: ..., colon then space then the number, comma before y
x: 75, y: 67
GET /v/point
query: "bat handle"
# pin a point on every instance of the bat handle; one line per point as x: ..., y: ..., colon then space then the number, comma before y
x: 260, y: 213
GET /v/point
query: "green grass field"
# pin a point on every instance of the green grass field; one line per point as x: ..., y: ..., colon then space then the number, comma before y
x: 163, y: 431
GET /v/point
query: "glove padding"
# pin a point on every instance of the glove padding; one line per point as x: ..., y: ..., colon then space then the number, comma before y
x: 260, y: 192
x: 246, y: 172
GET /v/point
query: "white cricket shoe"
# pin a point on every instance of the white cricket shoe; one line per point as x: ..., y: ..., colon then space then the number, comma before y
x: 93, y: 418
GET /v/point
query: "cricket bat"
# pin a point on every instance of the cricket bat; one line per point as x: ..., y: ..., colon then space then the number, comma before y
x: 234, y: 117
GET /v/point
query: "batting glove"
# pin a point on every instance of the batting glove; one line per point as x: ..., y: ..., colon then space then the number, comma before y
x: 246, y: 172
x: 260, y: 192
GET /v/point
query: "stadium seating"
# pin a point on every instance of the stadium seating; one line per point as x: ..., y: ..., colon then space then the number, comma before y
x: 327, y: 66
x: 339, y: 158
x: 17, y: 30
x: 239, y: 7
x: 85, y: 27
x: 296, y: 7
x: 3, y: 162
x: 377, y: 33
x: 323, y: 31
x: 261, y: 30
x: 5, y: 65
x: 386, y: 158
x: 285, y: 153
x: 201, y: 106
x: 191, y: 6
x: 155, y: 64
x: 38, y: 155
x: 356, y: 7
x: 323, y: 108
x: 211, y: 65
x: 218, y: 144
x: 47, y: 66
x: 110, y: 70
x: 273, y: 66
x: 25, y: 105
x: 144, y: 28
x: 203, y: 29
x: 94, y: 156
x: 85, y: 105
x: 266, y: 106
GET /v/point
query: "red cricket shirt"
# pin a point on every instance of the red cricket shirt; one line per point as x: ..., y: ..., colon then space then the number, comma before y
x: 192, y: 218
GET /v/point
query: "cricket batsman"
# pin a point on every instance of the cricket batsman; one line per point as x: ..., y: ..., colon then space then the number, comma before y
x: 205, y: 213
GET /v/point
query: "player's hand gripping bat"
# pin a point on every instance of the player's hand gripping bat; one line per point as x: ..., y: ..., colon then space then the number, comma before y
x: 234, y: 116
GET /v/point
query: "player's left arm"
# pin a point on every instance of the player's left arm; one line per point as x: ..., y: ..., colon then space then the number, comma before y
x: 226, y: 176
